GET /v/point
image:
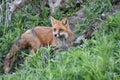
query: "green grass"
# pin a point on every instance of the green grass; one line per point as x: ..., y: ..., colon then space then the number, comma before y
x: 97, y: 59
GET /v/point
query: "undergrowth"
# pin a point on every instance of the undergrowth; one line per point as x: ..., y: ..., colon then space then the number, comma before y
x: 97, y: 59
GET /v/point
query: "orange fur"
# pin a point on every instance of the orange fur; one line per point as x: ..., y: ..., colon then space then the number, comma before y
x: 39, y: 37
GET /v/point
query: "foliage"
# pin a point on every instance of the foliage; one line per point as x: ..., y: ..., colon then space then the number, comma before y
x: 97, y: 59
x: 94, y: 9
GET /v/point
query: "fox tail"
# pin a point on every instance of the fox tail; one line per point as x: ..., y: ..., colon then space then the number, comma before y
x: 12, y: 55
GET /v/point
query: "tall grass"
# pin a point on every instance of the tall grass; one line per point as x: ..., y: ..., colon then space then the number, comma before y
x: 97, y: 59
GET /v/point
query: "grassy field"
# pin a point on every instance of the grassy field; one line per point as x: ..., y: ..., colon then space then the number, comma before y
x: 97, y: 59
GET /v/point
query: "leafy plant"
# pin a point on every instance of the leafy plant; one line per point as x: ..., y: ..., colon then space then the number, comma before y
x: 96, y: 59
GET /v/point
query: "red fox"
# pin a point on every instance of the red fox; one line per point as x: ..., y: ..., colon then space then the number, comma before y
x: 58, y: 35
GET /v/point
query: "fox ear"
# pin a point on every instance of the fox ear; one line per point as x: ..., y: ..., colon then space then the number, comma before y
x: 53, y: 20
x: 65, y: 21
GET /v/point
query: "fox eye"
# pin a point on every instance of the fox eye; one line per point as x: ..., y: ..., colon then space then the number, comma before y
x: 54, y: 29
x: 61, y: 30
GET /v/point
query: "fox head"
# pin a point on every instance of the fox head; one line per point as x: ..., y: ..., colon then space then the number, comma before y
x: 60, y: 28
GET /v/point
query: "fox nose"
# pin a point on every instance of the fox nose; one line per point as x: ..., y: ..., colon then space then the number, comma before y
x: 55, y: 35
